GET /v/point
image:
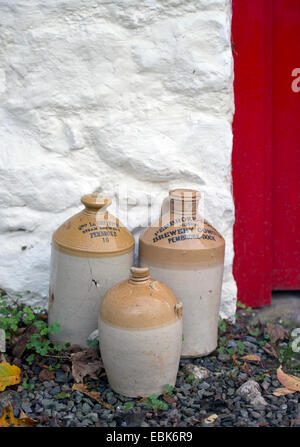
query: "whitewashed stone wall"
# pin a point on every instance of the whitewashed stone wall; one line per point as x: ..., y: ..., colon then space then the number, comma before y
x: 110, y: 95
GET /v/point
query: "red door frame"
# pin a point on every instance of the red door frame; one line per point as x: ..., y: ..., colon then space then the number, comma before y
x: 252, y: 144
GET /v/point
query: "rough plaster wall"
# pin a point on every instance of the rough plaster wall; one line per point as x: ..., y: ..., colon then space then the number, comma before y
x: 110, y: 95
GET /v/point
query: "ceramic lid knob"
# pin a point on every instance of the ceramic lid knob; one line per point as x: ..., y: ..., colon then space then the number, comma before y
x: 139, y: 274
x: 95, y: 201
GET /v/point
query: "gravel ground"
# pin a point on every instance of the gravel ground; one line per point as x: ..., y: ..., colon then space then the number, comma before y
x: 53, y: 403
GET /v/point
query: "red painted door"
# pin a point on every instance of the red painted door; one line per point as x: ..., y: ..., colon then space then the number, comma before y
x: 286, y: 145
x: 266, y: 157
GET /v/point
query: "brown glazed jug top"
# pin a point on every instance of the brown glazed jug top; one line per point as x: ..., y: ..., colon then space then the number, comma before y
x: 93, y: 231
x: 181, y: 238
x: 140, y: 303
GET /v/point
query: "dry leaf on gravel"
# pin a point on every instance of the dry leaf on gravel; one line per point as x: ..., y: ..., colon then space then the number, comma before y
x: 251, y: 358
x: 234, y: 358
x: 276, y: 332
x: 46, y: 375
x: 8, y: 418
x: 9, y: 375
x: 282, y: 392
x: 83, y: 389
x: 293, y: 422
x: 86, y: 363
x: 246, y: 368
x: 289, y: 381
x: 22, y: 341
x: 170, y: 399
x: 269, y: 349
x: 210, y: 419
x: 93, y: 394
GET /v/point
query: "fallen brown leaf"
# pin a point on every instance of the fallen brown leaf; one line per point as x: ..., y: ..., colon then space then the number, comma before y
x: 9, y: 375
x: 46, y: 375
x: 86, y: 363
x: 8, y: 418
x: 234, y: 358
x: 66, y: 368
x: 293, y: 422
x: 169, y: 399
x: 289, y: 381
x: 74, y: 348
x: 43, y: 419
x: 93, y: 394
x: 22, y: 341
x: 276, y: 332
x: 246, y: 368
x: 282, y: 392
x: 269, y: 349
x: 83, y: 389
x: 42, y: 365
x: 251, y: 358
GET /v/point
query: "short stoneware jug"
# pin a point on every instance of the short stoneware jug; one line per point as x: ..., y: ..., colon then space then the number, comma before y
x: 185, y: 252
x: 91, y: 252
x: 140, y: 335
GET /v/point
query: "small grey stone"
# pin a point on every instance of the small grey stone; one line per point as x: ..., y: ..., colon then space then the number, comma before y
x: 224, y: 358
x: 48, y: 403
x: 93, y: 417
x: 111, y: 398
x: 256, y: 415
x: 199, y: 372
x: 85, y: 423
x: 26, y: 407
x: 250, y: 346
x: 61, y: 378
x: 187, y: 411
x: 97, y: 408
x: 244, y: 413
x: 55, y: 390
x: 204, y: 386
x: 250, y: 391
x: 86, y: 408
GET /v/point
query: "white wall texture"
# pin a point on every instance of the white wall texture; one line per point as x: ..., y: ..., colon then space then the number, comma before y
x: 110, y: 95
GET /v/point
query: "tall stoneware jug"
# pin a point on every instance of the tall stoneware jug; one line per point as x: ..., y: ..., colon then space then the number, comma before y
x: 91, y: 252
x: 140, y: 333
x: 185, y: 252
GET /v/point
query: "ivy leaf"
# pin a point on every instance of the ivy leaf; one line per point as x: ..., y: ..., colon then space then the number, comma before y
x: 9, y: 375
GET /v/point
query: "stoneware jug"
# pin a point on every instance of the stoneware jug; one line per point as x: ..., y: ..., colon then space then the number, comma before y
x: 91, y: 252
x: 140, y: 334
x: 185, y: 252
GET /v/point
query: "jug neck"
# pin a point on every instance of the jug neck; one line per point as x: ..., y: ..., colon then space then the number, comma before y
x: 139, y: 275
x: 95, y: 203
x: 184, y: 202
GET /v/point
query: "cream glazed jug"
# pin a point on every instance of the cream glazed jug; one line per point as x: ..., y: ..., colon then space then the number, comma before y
x: 91, y: 252
x: 186, y: 253
x: 140, y: 335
